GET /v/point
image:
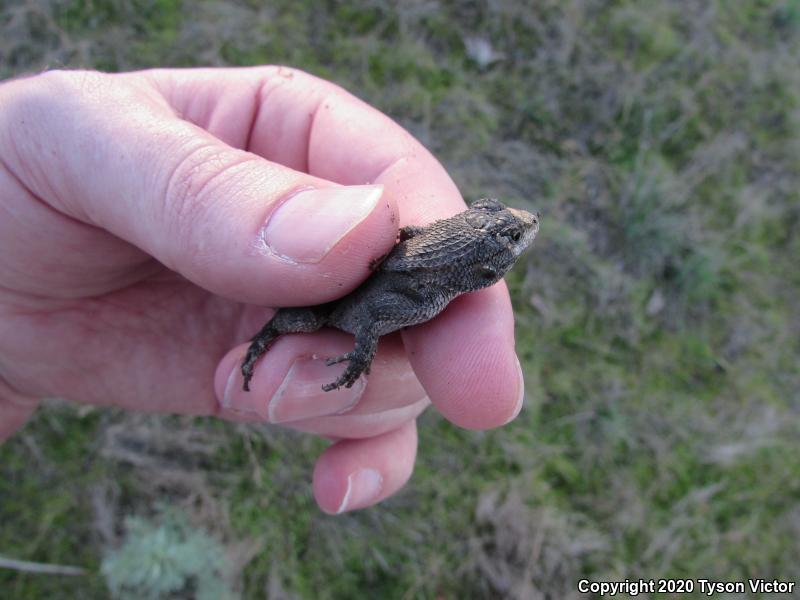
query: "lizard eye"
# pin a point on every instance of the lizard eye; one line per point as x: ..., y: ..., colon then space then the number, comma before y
x: 515, y: 235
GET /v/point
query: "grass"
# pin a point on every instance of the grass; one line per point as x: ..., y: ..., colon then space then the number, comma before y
x: 657, y: 319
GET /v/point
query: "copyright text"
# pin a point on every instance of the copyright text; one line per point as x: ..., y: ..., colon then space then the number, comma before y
x: 706, y: 587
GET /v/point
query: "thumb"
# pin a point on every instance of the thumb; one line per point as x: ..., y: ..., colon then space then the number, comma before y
x: 226, y: 219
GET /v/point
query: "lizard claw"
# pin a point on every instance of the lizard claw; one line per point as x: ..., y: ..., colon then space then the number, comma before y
x: 341, y: 382
x: 346, y: 379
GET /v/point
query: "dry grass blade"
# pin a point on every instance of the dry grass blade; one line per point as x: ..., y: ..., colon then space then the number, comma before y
x: 41, y: 568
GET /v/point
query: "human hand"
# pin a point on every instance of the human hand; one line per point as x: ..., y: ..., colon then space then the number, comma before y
x: 145, y: 220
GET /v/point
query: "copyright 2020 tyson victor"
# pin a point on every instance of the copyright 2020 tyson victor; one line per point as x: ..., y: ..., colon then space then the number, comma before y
x: 707, y: 587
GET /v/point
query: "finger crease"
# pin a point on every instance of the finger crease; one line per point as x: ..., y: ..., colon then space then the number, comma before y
x: 255, y: 113
x: 311, y: 125
x: 394, y: 162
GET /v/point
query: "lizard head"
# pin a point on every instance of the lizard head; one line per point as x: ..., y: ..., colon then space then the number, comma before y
x: 468, y: 251
x: 500, y: 236
x: 510, y: 229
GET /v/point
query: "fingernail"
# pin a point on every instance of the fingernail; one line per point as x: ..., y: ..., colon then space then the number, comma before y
x: 299, y: 396
x: 520, y: 394
x: 363, y: 487
x: 309, y: 223
x: 233, y: 383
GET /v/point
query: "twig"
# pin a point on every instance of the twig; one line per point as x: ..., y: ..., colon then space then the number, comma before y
x: 34, y: 567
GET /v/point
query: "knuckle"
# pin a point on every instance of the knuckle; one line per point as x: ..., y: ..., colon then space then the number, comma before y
x: 35, y: 102
x: 32, y: 95
x: 57, y: 82
x: 71, y: 86
x: 200, y: 179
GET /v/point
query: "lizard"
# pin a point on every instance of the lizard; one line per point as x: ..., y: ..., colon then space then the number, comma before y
x: 427, y: 268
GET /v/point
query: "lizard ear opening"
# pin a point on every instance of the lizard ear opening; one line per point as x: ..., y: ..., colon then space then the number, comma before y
x: 486, y: 273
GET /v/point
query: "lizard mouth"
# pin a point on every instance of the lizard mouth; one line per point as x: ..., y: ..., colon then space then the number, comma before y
x: 530, y: 220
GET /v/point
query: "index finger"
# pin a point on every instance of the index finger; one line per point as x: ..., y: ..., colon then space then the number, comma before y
x: 465, y: 357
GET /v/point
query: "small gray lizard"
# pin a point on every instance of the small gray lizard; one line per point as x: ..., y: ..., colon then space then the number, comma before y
x: 426, y: 269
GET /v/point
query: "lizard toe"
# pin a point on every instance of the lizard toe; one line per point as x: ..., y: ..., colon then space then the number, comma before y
x: 337, y: 359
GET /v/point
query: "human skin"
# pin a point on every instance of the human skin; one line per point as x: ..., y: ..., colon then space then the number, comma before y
x: 146, y: 221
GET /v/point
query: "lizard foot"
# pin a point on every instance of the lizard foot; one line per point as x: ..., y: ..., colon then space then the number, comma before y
x: 257, y: 348
x: 350, y: 375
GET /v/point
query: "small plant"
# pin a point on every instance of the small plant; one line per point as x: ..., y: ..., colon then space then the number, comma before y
x: 169, y: 559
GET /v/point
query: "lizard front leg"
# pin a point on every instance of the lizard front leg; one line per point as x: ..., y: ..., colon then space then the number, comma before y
x: 408, y: 232
x: 360, y: 359
x: 286, y: 320
x: 381, y: 311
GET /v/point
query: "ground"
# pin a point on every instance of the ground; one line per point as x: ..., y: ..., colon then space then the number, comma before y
x: 657, y: 317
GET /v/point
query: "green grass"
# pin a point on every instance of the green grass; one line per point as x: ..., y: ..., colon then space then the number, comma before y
x: 657, y: 319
